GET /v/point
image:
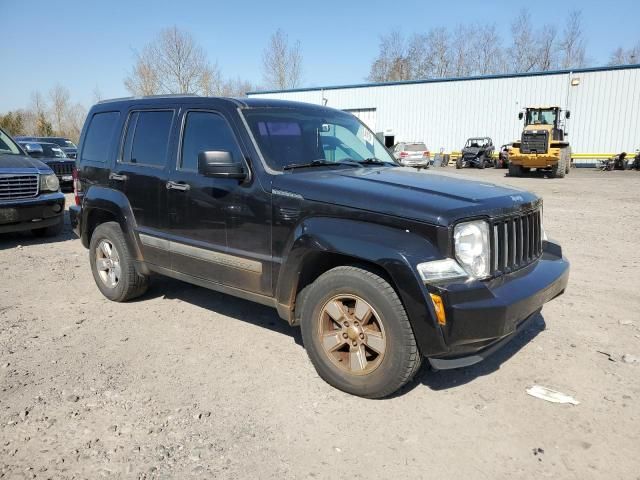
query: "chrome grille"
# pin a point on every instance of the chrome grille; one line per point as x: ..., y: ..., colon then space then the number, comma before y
x: 18, y: 186
x: 516, y: 241
x: 59, y: 169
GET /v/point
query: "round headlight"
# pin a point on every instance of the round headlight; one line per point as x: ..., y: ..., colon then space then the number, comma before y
x: 471, y: 240
x: 49, y: 183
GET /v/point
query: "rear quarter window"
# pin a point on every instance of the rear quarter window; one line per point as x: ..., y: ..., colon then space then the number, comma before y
x: 147, y: 138
x: 99, y: 137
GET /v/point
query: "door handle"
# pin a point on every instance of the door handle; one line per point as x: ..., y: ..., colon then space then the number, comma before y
x: 117, y: 177
x: 183, y: 187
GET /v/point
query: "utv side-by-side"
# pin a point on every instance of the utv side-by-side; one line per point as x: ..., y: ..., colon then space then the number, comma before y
x: 477, y: 152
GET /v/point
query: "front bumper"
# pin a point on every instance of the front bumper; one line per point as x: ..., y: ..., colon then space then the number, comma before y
x: 421, y: 162
x: 42, y: 211
x: 483, y: 316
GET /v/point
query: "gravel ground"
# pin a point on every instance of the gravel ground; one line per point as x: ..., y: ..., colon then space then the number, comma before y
x: 186, y: 382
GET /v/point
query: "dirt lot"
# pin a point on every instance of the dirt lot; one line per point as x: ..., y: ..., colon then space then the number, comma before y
x: 187, y: 382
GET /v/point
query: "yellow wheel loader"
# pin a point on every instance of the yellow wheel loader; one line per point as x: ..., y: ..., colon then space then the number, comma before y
x: 542, y: 145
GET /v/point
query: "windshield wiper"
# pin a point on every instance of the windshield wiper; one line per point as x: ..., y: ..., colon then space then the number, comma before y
x: 374, y: 161
x: 320, y: 163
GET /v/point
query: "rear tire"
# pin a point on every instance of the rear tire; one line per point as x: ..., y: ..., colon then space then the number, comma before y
x: 515, y: 170
x: 50, y: 231
x: 459, y: 163
x: 357, y: 333
x: 113, y: 266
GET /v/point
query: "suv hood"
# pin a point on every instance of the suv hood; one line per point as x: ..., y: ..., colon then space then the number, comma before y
x: 21, y: 164
x: 435, y: 198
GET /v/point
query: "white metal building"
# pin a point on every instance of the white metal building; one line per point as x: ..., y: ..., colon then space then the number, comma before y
x: 604, y: 104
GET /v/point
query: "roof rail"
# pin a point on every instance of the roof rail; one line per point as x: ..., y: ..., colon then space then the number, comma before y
x: 141, y: 97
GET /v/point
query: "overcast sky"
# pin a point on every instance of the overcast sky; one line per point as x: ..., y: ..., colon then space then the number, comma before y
x: 85, y: 45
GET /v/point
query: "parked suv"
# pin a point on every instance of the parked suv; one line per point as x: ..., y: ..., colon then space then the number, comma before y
x: 53, y: 156
x: 412, y: 154
x: 67, y: 146
x: 301, y: 208
x: 30, y: 197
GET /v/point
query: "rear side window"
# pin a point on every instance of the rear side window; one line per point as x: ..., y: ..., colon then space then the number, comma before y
x: 97, y: 142
x: 147, y: 138
x: 205, y: 131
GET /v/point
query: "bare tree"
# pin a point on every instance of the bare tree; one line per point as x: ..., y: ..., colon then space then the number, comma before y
x: 392, y: 62
x: 430, y: 54
x: 439, y: 43
x: 172, y: 63
x: 211, y: 81
x: 522, y: 52
x: 59, y: 97
x: 547, y: 48
x: 281, y: 62
x: 620, y: 56
x: 462, y: 51
x: 572, y: 45
x: 41, y: 124
x: 73, y: 121
x: 488, y: 54
x: 97, y: 95
x: 236, y: 88
x: 38, y: 103
x: 143, y: 79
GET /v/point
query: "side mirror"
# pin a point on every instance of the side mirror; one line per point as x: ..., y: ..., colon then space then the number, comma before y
x: 34, y: 150
x: 520, y: 116
x: 567, y: 114
x: 219, y: 163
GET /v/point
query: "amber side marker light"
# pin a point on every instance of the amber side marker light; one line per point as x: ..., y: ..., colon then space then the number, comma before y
x: 438, y: 306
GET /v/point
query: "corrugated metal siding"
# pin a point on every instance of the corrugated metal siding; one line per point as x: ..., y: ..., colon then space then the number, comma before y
x: 605, y: 108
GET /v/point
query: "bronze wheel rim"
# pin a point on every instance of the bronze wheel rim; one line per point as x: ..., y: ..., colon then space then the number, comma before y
x: 352, y: 334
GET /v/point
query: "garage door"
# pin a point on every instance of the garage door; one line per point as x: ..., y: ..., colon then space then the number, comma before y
x: 366, y: 115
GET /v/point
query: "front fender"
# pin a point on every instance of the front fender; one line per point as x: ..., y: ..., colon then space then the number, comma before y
x: 394, y: 250
x: 117, y: 205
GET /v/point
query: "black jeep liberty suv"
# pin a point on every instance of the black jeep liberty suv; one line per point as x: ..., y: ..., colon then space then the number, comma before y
x: 300, y: 207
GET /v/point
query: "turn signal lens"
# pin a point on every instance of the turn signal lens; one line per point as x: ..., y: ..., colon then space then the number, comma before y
x: 438, y: 306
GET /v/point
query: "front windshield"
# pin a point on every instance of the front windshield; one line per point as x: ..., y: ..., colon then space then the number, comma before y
x: 7, y: 145
x: 541, y: 116
x: 61, y: 142
x: 51, y: 150
x: 289, y: 137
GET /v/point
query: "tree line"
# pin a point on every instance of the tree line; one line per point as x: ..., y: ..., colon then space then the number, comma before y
x: 174, y: 63
x: 53, y: 114
x: 472, y: 49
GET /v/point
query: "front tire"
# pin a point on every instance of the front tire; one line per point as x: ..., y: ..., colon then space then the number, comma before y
x: 357, y: 333
x: 559, y: 170
x: 459, y: 163
x: 515, y: 170
x: 112, y: 264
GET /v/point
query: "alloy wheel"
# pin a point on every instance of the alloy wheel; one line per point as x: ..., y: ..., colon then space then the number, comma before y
x: 108, y: 263
x: 352, y: 334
